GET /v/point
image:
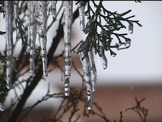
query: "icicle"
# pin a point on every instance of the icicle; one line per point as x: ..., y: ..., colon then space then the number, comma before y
x: 103, y: 57
x: 130, y: 28
x: 2, y: 107
x: 81, y: 14
x: 52, y: 8
x: 9, y: 34
x: 28, y: 35
x: 16, y: 9
x: 32, y: 35
x: 86, y: 73
x: 68, y: 16
x: 41, y: 17
x: 93, y: 70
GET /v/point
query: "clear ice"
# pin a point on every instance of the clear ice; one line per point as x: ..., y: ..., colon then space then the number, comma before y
x: 86, y: 73
x: 92, y: 70
x: 32, y: 35
x: 41, y: 17
x: 81, y: 14
x: 9, y: 33
x: 68, y: 17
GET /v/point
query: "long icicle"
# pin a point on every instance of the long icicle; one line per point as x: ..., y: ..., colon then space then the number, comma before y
x: 92, y: 69
x: 81, y: 14
x: 9, y: 33
x: 28, y: 34
x: 68, y: 16
x: 86, y: 73
x: 33, y: 32
x: 16, y: 9
x: 32, y: 35
x: 42, y: 25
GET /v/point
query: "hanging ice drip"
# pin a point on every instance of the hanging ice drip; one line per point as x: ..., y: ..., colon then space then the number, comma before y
x: 87, y: 59
x: 32, y: 31
x: 41, y: 17
x: 81, y: 8
x: 93, y: 70
x: 86, y: 72
x: 68, y: 16
x: 9, y: 33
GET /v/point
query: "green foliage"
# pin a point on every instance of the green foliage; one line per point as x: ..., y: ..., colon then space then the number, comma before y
x: 108, y: 23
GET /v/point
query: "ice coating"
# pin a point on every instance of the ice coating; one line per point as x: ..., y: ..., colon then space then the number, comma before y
x: 92, y: 70
x: 81, y: 8
x: 41, y: 17
x: 86, y: 73
x: 32, y: 35
x: 68, y: 17
x: 52, y: 8
x: 9, y: 33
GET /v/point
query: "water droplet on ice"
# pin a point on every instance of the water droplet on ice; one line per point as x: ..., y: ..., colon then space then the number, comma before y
x: 130, y: 28
x: 89, y: 108
x: 89, y: 101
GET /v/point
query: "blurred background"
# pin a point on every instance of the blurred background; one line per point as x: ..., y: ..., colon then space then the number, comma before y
x: 133, y: 72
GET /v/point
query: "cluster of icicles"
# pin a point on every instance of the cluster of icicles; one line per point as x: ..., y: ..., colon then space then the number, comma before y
x: 37, y: 23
